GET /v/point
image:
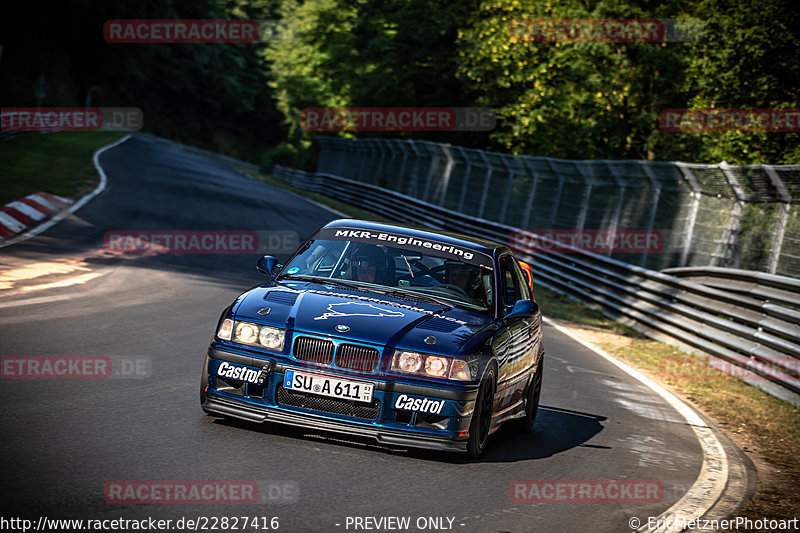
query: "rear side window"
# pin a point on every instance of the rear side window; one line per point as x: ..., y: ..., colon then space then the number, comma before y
x: 522, y: 282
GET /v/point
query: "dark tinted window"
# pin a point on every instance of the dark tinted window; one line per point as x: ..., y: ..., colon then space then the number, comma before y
x: 511, y: 281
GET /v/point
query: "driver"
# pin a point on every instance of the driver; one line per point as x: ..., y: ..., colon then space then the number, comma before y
x: 461, y: 275
x: 369, y: 264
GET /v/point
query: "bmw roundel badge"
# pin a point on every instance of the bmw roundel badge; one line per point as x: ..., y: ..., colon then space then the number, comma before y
x: 342, y: 328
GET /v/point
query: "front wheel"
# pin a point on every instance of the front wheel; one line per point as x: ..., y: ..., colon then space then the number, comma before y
x: 482, y: 416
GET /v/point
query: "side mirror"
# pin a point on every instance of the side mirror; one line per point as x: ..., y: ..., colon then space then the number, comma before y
x: 267, y: 265
x: 523, y: 309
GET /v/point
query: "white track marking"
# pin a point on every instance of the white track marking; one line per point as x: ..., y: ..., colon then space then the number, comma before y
x: 713, y: 476
x: 77, y: 205
x: 25, y: 209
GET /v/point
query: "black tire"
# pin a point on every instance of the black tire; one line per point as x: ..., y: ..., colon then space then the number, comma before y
x: 525, y: 424
x: 482, y: 416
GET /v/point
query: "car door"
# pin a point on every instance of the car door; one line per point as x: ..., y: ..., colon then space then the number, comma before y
x: 518, y: 339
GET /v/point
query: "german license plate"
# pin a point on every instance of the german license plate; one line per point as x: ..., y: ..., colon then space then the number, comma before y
x: 328, y: 386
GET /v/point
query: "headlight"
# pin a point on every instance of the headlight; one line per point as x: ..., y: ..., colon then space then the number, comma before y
x: 435, y: 366
x: 225, y: 329
x: 271, y: 337
x: 248, y: 333
x: 409, y: 362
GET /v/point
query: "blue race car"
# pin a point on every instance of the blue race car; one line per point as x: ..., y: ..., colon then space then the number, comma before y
x: 412, y: 337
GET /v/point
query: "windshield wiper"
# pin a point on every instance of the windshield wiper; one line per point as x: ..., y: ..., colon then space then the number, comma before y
x: 410, y: 271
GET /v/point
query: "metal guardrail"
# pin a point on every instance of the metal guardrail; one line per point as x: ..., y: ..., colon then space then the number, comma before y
x: 760, y: 285
x: 743, y: 335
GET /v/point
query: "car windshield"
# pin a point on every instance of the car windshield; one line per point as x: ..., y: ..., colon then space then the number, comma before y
x: 419, y: 268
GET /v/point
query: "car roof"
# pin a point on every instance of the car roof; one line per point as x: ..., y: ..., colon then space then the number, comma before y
x: 480, y: 245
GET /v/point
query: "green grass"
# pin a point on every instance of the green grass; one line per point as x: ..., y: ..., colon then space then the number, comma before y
x: 58, y: 163
x: 555, y: 305
x: 558, y: 306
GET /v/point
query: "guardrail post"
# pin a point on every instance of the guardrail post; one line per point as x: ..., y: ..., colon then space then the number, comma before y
x: 509, y: 186
x: 730, y: 240
x: 401, y: 144
x: 431, y: 170
x: 526, y: 216
x: 441, y: 191
x: 651, y: 220
x: 621, y: 189
x: 467, y: 171
x: 587, y: 195
x: 413, y: 183
x: 557, y: 199
x: 395, y: 149
x: 372, y: 158
x: 485, y: 183
x: 691, y: 219
x: 783, y: 218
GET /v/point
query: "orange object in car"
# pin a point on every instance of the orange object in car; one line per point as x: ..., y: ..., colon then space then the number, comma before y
x: 526, y: 269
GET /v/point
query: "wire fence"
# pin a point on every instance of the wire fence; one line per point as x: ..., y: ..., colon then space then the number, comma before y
x: 708, y: 215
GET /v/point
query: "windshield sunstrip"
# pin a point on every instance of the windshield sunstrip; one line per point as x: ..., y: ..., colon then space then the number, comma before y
x: 426, y: 246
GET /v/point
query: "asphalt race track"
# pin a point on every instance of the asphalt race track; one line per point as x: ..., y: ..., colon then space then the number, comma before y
x: 63, y: 440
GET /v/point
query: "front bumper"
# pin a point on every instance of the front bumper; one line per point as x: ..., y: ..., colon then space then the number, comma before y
x: 389, y: 424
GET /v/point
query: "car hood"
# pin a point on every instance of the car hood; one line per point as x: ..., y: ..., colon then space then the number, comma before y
x: 362, y: 315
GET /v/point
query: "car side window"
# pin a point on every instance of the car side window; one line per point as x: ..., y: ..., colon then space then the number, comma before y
x: 510, y: 281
